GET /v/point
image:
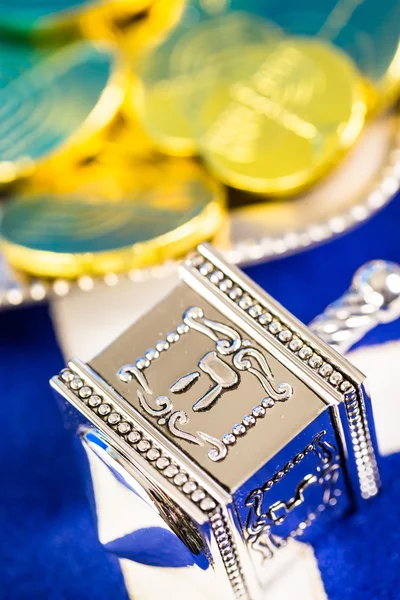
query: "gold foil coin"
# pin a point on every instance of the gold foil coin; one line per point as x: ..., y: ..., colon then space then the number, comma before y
x: 134, y: 25
x: 280, y: 117
x: 178, y: 74
x: 54, y: 102
x: 130, y: 22
x: 368, y: 31
x: 167, y: 211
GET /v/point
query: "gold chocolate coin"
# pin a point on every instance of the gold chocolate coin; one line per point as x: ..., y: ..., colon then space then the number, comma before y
x: 281, y: 116
x: 28, y: 17
x: 180, y: 72
x: 167, y: 211
x: 54, y: 102
x: 62, y: 20
x: 367, y: 30
x: 134, y: 25
x: 105, y: 170
x: 362, y: 183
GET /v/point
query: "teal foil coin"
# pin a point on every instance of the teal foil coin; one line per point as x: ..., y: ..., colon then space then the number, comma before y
x: 27, y: 16
x: 46, y: 98
x: 367, y: 30
x: 55, y: 235
x: 72, y: 224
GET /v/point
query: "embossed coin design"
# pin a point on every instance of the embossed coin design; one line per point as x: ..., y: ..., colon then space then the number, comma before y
x: 53, y: 102
x: 162, y: 216
x: 284, y: 123
x: 367, y: 30
x: 180, y: 73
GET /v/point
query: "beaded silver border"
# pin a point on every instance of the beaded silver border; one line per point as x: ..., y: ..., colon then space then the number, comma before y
x: 303, y: 350
x: 226, y: 546
x: 126, y: 428
x: 136, y: 437
x: 270, y: 322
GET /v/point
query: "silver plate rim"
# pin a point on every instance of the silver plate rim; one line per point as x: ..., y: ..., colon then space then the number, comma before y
x: 14, y: 293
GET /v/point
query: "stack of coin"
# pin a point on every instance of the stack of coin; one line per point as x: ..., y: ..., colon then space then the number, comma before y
x: 366, y: 30
x: 126, y: 123
x: 270, y: 105
x: 54, y: 101
x: 170, y: 205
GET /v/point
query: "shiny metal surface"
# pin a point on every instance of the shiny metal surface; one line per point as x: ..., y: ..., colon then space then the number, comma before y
x: 364, y: 182
x: 136, y: 511
x: 261, y: 128
x: 373, y: 298
x: 177, y: 415
x: 227, y: 424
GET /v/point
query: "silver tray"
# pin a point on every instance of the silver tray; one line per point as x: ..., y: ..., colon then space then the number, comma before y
x: 366, y: 180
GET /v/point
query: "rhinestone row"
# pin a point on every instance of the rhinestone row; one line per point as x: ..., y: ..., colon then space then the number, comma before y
x: 137, y: 439
x: 270, y: 323
x: 227, y: 550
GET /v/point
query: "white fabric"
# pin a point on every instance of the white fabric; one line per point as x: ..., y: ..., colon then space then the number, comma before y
x: 86, y: 323
x: 300, y: 579
x: 295, y: 571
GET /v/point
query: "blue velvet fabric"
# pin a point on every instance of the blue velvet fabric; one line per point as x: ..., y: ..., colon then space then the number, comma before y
x: 48, y: 546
